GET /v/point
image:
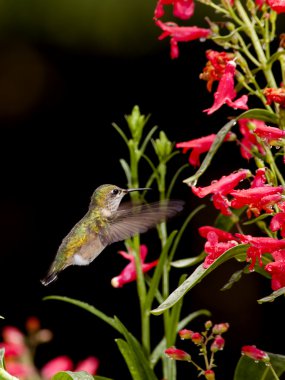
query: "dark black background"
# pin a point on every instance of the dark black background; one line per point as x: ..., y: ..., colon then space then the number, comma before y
x: 58, y: 144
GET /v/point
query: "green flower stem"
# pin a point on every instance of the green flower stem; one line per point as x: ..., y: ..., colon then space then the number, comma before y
x: 246, y: 51
x: 256, y: 43
x: 273, y: 166
x: 274, y: 373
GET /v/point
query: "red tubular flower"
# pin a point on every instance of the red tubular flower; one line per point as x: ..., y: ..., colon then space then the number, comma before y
x: 226, y: 93
x: 215, y: 249
x: 277, y: 5
x: 257, y: 198
x: 175, y: 353
x: 13, y: 335
x: 259, y: 246
x: 89, y: 365
x: 278, y: 223
x: 249, y: 141
x: 270, y: 134
x: 254, y: 353
x: 200, y: 145
x: 129, y: 273
x: 276, y: 95
x: 221, y: 234
x: 218, y: 344
x: 277, y: 269
x: 215, y: 67
x: 180, y: 34
x: 183, y: 9
x: 259, y: 179
x: 19, y: 370
x: 60, y: 363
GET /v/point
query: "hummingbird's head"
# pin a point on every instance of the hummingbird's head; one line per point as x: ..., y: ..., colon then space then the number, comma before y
x: 110, y: 196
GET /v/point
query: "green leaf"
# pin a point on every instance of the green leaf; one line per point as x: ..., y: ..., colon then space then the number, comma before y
x: 235, y: 277
x: 127, y: 170
x: 192, y: 181
x: 183, y: 263
x: 260, y: 114
x: 130, y: 358
x: 68, y: 375
x: 272, y: 296
x: 247, y: 369
x: 196, y: 277
x: 140, y: 360
x: 255, y: 220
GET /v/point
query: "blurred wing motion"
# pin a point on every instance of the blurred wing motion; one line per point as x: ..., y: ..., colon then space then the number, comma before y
x: 129, y: 221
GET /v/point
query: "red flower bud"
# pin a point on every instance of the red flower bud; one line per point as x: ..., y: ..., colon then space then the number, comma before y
x: 175, y: 353
x: 254, y: 353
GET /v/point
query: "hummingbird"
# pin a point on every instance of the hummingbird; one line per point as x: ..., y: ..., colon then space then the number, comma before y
x: 107, y: 222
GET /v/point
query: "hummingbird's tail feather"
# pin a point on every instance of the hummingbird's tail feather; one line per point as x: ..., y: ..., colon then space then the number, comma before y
x: 50, y: 277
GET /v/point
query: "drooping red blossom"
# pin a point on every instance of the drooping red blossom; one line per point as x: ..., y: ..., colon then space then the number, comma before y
x: 259, y: 179
x: 277, y: 5
x: 19, y: 370
x: 218, y: 344
x: 249, y: 141
x: 257, y: 199
x: 60, y: 363
x: 255, y: 353
x: 13, y: 350
x: 269, y: 134
x: 277, y: 269
x: 129, y: 273
x: 90, y: 365
x: 215, y: 249
x: 259, y: 246
x: 220, y: 328
x: 175, y: 353
x: 201, y: 145
x: 183, y: 9
x: 13, y: 335
x: 221, y: 234
x: 278, y: 223
x: 209, y: 374
x: 180, y: 34
x: 226, y: 92
x: 215, y: 67
x: 276, y: 95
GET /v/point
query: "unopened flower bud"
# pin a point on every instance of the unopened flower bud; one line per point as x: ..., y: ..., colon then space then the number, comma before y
x: 220, y: 328
x: 230, y: 26
x: 33, y: 324
x: 185, y: 334
x: 175, y: 353
x: 197, y: 338
x: 209, y: 374
x: 254, y: 353
x: 218, y: 344
x: 208, y: 325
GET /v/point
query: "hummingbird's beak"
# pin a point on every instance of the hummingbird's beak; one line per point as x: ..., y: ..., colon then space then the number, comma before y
x: 138, y: 189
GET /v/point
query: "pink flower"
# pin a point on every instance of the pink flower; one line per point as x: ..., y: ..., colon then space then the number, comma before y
x: 269, y: 134
x: 226, y: 93
x: 13, y: 335
x: 19, y: 370
x: 129, y: 273
x: 185, y: 334
x: 183, y: 9
x: 277, y: 5
x: 215, y: 249
x: 179, y: 34
x: 60, y: 363
x: 218, y: 344
x: 175, y: 353
x: 259, y: 246
x: 249, y: 141
x: 277, y: 269
x: 257, y: 198
x: 215, y: 67
x: 278, y: 223
x: 89, y: 365
x: 259, y: 179
x: 221, y: 234
x: 200, y: 145
x: 13, y: 349
x: 276, y: 95
x: 254, y: 353
x: 221, y: 328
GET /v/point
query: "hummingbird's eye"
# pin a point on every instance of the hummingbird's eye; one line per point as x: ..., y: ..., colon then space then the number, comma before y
x: 115, y: 191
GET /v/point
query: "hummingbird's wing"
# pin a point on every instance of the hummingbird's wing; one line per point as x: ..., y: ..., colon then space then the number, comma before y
x: 129, y: 221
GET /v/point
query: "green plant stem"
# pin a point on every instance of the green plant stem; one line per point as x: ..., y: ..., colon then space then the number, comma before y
x: 256, y: 44
x: 274, y: 373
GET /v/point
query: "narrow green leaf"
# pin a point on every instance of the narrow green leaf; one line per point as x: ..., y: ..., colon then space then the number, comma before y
x: 68, y: 375
x: 192, y: 181
x: 147, y: 138
x: 196, y: 277
x: 174, y: 179
x: 4, y: 375
x: 255, y: 220
x: 272, y: 296
x: 121, y: 133
x: 260, y: 114
x: 247, y: 369
x: 130, y: 359
x: 158, y: 271
x: 175, y: 315
x: 141, y: 361
x: 127, y: 170
x: 161, y: 346
x: 86, y: 306
x: 183, y: 263
x: 235, y: 277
